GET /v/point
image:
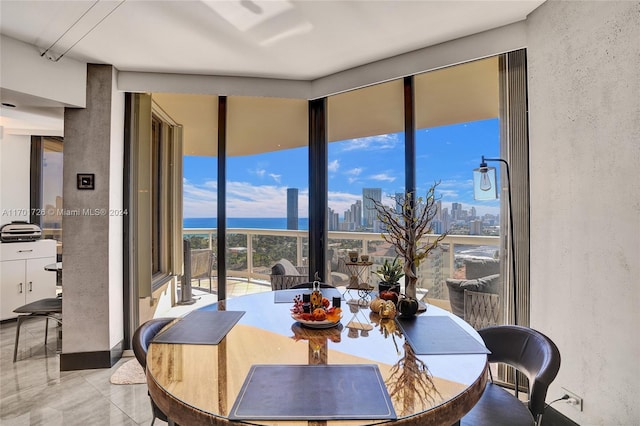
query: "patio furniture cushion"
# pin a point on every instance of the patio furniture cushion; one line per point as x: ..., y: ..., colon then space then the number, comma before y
x: 284, y: 267
x: 490, y: 284
x: 478, y: 268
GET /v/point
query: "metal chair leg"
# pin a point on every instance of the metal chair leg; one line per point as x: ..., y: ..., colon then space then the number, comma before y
x: 15, y: 348
x: 22, y: 318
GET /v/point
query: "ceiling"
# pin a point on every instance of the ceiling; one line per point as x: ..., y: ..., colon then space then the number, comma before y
x: 294, y: 40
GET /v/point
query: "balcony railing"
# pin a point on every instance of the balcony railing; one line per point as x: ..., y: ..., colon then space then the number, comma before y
x: 252, y: 252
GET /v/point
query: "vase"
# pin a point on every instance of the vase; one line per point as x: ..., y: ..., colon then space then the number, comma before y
x: 383, y: 286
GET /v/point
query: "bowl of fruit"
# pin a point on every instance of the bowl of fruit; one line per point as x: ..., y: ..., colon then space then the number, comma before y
x: 316, y: 315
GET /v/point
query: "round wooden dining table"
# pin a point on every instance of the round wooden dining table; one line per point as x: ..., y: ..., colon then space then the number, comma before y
x: 197, y: 384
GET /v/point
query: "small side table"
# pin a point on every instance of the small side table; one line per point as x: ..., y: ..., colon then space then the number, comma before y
x: 359, y: 278
x: 57, y: 268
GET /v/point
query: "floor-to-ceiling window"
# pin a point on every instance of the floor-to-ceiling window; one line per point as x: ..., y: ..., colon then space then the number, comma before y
x: 457, y: 121
x: 198, y: 116
x: 267, y: 186
x: 155, y: 195
x: 46, y: 188
x: 365, y: 162
x: 51, y: 207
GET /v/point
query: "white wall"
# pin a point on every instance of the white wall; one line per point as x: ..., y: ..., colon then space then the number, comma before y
x: 23, y: 70
x: 584, y: 96
x: 15, y: 177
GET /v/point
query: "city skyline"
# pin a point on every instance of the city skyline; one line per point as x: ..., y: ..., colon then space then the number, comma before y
x: 257, y: 185
x: 455, y: 220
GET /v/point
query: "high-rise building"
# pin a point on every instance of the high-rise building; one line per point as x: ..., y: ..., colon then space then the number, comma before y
x: 356, y: 213
x: 348, y: 216
x: 333, y: 220
x: 446, y: 219
x: 456, y: 211
x: 368, y: 210
x: 399, y: 197
x: 292, y: 208
x: 436, y: 226
x: 475, y: 227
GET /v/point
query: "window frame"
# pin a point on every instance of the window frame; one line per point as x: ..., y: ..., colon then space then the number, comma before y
x: 156, y: 187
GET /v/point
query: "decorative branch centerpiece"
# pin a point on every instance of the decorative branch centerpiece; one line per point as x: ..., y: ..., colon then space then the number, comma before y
x: 407, y: 230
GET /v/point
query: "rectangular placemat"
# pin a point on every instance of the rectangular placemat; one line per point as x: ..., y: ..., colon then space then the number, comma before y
x: 286, y: 296
x: 200, y: 328
x: 439, y: 335
x: 313, y: 392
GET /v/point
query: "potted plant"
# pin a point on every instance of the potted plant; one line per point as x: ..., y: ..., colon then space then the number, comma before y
x: 390, y: 274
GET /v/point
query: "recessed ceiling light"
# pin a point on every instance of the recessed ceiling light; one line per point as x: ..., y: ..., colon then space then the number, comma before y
x: 8, y: 105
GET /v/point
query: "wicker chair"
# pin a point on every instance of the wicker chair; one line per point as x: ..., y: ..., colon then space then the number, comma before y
x: 202, y: 265
x: 482, y: 309
x: 283, y: 282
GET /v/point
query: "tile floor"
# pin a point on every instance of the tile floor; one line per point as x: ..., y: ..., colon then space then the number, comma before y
x: 33, y: 391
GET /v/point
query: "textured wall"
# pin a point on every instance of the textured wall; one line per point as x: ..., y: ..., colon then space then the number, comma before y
x: 92, y: 254
x: 584, y: 96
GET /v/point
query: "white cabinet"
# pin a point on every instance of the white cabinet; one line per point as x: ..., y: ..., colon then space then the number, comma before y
x: 23, y: 278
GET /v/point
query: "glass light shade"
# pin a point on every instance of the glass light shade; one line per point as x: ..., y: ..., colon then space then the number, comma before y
x: 484, y: 183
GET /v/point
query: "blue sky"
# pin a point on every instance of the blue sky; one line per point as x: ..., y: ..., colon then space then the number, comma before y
x: 257, y: 185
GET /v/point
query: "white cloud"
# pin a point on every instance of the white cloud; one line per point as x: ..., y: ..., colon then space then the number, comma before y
x: 383, y: 177
x: 341, y: 201
x: 447, y: 194
x: 354, y: 172
x: 244, y: 199
x: 275, y: 177
x: 199, y: 200
x: 369, y: 143
x: 334, y: 166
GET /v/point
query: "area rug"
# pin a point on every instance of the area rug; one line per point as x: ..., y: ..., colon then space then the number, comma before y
x: 129, y: 373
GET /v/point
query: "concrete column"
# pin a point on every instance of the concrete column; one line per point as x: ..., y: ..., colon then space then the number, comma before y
x: 92, y: 225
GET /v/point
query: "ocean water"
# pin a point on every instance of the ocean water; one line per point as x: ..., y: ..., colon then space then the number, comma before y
x: 244, y: 222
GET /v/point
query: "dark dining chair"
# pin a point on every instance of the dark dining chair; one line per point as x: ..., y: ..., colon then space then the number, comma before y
x: 140, y: 342
x: 50, y: 308
x: 530, y: 352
